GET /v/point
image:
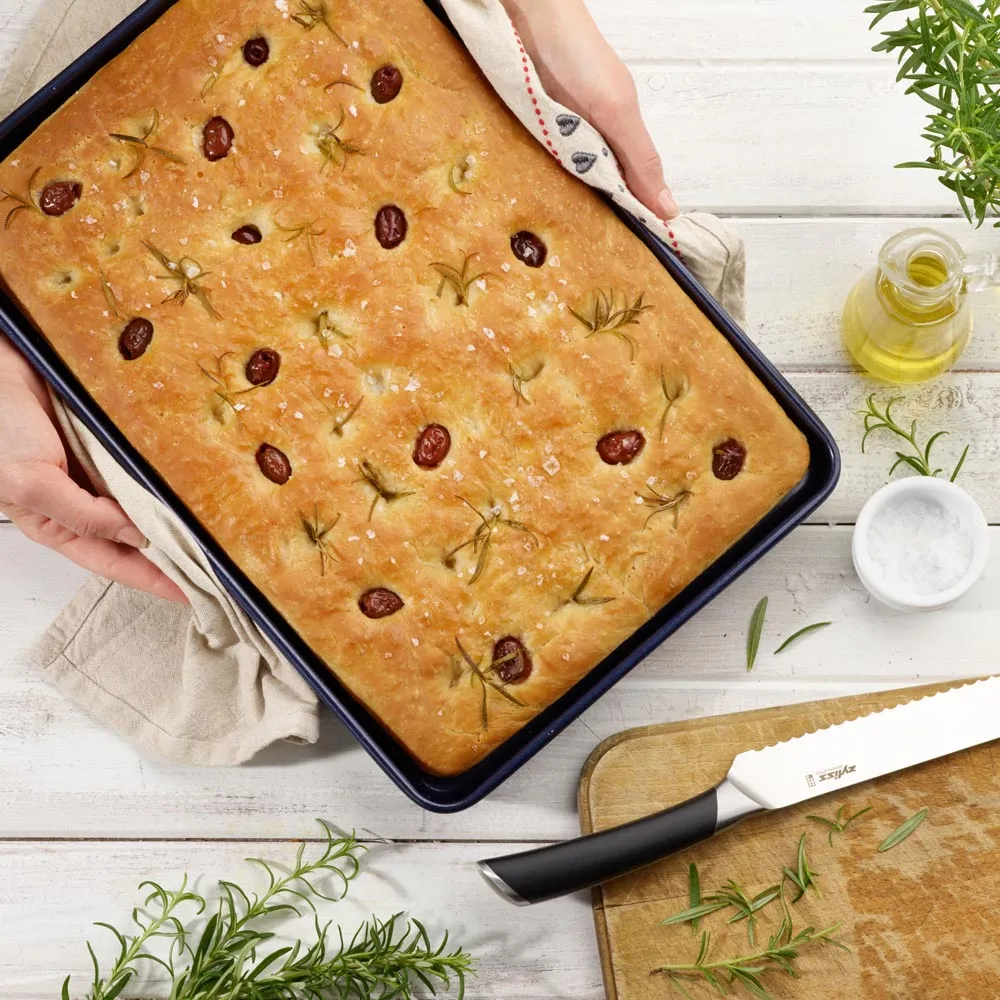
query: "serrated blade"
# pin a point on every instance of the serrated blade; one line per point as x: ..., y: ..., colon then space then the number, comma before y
x: 871, y: 746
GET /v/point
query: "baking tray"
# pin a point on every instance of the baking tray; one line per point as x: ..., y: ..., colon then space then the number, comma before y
x: 433, y: 792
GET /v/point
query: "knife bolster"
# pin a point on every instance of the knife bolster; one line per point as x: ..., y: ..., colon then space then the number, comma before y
x: 733, y: 805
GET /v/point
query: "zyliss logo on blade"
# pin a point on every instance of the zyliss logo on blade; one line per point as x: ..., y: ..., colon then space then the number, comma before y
x: 833, y: 774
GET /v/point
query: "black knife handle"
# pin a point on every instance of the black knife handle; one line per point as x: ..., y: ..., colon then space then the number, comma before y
x: 547, y: 872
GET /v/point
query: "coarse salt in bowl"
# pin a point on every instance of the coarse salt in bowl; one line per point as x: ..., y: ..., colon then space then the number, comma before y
x: 920, y: 543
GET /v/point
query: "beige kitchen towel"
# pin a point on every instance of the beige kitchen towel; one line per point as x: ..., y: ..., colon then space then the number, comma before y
x: 200, y: 684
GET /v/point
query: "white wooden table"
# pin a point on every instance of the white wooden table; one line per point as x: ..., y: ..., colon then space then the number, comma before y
x: 770, y: 111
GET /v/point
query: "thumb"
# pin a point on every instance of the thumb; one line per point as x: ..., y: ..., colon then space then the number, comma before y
x: 620, y: 122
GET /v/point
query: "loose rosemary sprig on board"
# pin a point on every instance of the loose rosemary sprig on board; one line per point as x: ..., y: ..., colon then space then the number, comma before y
x: 920, y: 460
x: 840, y: 822
x: 949, y: 53
x: 232, y: 956
x: 746, y: 971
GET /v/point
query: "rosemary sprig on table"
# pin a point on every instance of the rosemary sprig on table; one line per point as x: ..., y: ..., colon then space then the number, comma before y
x: 488, y: 679
x: 144, y: 146
x: 902, y: 832
x: 232, y: 956
x: 662, y: 502
x: 22, y: 203
x: 949, y: 53
x: 920, y: 460
x: 807, y: 630
x: 481, y: 541
x: 188, y: 273
x: 840, y: 822
x: 605, y: 316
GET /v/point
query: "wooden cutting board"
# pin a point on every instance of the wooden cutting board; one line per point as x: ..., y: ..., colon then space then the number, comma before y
x: 922, y: 920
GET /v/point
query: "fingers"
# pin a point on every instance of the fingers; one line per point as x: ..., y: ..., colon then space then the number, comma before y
x: 619, y: 118
x: 46, y: 490
x: 111, y: 560
x: 122, y: 563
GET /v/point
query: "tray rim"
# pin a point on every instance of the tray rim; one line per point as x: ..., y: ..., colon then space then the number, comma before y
x: 436, y: 793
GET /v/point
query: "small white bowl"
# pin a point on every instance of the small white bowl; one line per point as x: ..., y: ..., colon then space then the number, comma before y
x: 956, y: 501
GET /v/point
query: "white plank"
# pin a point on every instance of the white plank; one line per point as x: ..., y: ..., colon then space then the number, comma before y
x: 52, y: 893
x: 766, y: 139
x: 64, y: 776
x: 800, y: 271
x: 734, y: 30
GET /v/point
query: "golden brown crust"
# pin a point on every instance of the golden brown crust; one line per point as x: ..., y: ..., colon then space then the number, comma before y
x: 522, y: 388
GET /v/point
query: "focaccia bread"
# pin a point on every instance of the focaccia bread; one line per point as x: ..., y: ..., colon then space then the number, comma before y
x: 428, y: 392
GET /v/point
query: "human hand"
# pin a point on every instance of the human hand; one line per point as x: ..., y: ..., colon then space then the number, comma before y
x: 579, y: 69
x: 39, y: 495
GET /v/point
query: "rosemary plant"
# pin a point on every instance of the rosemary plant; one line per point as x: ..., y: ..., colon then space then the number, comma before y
x: 949, y: 53
x: 231, y: 956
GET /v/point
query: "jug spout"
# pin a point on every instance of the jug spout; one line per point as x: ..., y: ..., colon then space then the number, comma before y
x: 981, y: 270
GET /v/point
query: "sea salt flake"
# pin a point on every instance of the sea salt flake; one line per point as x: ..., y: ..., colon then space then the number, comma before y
x: 412, y: 385
x: 297, y: 414
x: 416, y: 642
x: 554, y: 261
x: 605, y: 538
x: 266, y: 266
x: 353, y: 110
x: 551, y: 465
x: 482, y: 454
x: 239, y: 407
x: 532, y: 311
x: 282, y: 406
x: 505, y: 267
x: 341, y: 462
x: 470, y: 347
x: 350, y: 249
x: 370, y: 533
x: 458, y: 477
x: 194, y: 201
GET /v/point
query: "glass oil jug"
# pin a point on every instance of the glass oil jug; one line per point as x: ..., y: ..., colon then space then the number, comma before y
x: 910, y: 319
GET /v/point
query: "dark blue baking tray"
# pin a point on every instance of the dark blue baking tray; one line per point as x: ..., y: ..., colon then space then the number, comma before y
x: 440, y: 794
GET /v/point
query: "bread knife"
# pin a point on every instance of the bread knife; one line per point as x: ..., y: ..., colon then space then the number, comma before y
x: 783, y: 774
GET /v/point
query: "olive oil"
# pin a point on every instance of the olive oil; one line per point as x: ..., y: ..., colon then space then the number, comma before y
x: 910, y: 318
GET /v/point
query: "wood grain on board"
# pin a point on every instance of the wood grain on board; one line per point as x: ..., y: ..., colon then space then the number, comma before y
x: 920, y: 919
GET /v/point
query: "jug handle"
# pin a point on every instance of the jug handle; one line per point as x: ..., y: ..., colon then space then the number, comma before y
x: 982, y: 270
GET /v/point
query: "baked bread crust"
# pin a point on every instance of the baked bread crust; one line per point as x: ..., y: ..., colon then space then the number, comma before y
x: 375, y: 344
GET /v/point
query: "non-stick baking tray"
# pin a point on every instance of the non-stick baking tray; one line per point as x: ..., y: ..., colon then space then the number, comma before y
x: 440, y: 794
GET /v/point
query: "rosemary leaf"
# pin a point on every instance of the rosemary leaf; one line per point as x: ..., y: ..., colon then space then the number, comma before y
x: 798, y: 635
x: 839, y: 823
x: 694, y: 892
x: 902, y: 832
x: 753, y: 635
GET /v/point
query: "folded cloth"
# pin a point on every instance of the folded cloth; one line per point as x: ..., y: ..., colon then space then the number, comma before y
x: 201, y: 684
